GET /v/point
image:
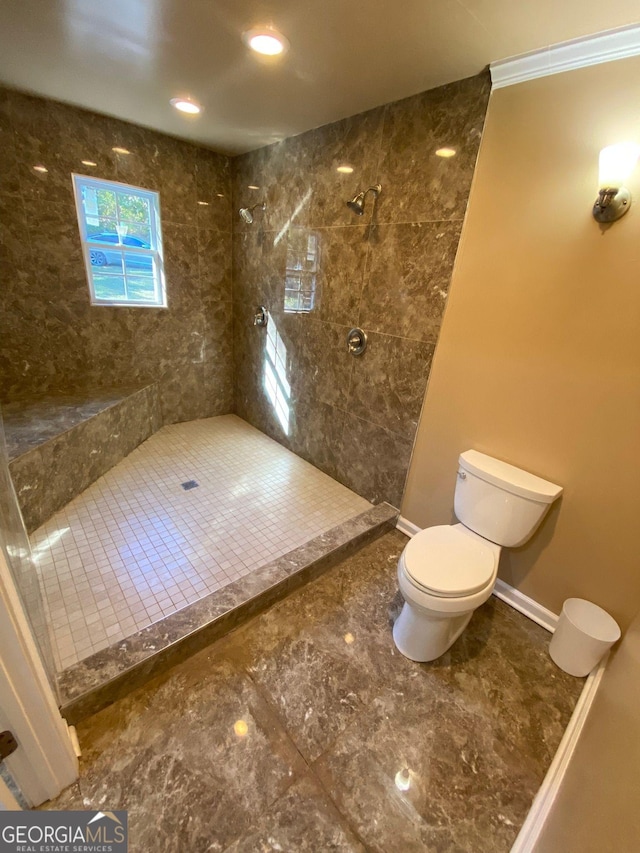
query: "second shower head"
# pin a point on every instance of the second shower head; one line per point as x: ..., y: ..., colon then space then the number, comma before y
x: 246, y: 213
x: 356, y: 204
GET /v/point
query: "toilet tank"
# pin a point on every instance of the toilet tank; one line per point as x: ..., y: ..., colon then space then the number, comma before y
x: 498, y: 501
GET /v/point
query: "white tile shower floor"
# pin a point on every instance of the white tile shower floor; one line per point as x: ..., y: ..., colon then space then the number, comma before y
x: 135, y: 546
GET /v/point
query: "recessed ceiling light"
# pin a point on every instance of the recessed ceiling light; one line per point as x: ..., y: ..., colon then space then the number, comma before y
x: 204, y: 203
x: 345, y: 170
x: 88, y: 163
x: 186, y: 105
x: 41, y: 169
x: 446, y: 152
x: 266, y: 40
x: 119, y: 150
x: 252, y: 187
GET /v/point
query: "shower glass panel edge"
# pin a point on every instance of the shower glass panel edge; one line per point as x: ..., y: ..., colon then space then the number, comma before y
x: 15, y: 544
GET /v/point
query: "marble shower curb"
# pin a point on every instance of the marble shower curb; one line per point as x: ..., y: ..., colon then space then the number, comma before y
x: 103, y: 678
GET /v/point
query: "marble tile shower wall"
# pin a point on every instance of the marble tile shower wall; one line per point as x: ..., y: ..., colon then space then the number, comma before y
x: 389, y: 272
x: 51, y: 338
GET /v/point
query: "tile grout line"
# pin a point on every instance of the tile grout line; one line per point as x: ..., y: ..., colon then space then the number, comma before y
x: 311, y: 770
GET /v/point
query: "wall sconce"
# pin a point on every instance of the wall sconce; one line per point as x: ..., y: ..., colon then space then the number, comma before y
x: 616, y: 164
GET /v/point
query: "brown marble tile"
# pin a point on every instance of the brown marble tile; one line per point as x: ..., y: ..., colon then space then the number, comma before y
x: 51, y: 339
x: 388, y: 272
x: 259, y: 264
x: 56, y: 252
x: 418, y: 185
x: 213, y: 185
x: 160, y: 163
x: 13, y: 234
x: 388, y: 382
x: 181, y: 268
x: 303, y: 819
x: 30, y: 423
x: 341, y: 269
x: 356, y: 142
x: 72, y: 451
x: 183, y: 392
x: 373, y: 461
x: 290, y: 191
x: 333, y: 713
x: 107, y: 676
x: 218, y: 365
x: 187, y: 779
x: 9, y: 168
x: 407, y: 281
x: 316, y: 434
x: 214, y: 265
x: 493, y: 733
x: 59, y: 137
x: 320, y: 364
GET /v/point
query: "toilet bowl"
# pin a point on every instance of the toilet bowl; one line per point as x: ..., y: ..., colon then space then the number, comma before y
x: 444, y: 574
x: 448, y: 571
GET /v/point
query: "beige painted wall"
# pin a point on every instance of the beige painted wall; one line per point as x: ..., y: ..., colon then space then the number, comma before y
x: 597, y: 806
x: 538, y: 361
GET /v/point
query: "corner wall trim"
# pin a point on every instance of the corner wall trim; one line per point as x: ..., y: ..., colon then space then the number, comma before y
x: 548, y: 791
x: 595, y: 49
x: 521, y: 602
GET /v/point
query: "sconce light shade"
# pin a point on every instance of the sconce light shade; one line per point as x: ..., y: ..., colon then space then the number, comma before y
x: 617, y: 162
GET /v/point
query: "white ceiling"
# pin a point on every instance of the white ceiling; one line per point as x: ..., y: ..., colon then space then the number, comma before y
x: 127, y: 58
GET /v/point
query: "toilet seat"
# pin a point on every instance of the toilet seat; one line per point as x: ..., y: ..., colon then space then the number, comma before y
x: 449, y: 562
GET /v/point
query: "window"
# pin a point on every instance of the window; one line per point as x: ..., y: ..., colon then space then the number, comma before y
x: 121, y: 241
x: 303, y: 255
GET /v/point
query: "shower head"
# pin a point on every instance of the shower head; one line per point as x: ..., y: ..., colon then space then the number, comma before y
x: 356, y: 204
x: 246, y: 213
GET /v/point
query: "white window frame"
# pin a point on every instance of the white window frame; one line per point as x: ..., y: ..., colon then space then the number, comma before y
x: 155, y: 252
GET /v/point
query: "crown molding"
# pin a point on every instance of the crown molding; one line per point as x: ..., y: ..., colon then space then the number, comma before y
x: 567, y: 56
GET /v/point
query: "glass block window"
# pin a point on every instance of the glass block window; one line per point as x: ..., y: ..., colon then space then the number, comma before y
x: 303, y: 261
x: 122, y: 242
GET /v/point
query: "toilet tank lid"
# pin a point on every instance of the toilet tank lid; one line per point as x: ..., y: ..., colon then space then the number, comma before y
x: 508, y: 477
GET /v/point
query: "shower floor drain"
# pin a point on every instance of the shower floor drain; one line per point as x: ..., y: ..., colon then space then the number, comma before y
x: 190, y: 484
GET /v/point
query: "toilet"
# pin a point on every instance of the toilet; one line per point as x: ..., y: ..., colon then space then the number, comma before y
x: 446, y: 572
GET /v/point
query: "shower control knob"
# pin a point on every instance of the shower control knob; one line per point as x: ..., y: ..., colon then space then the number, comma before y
x: 357, y: 341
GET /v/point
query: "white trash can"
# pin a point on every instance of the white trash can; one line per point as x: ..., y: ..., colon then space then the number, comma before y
x: 584, y: 633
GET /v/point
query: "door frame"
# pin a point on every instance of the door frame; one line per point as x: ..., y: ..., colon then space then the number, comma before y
x: 45, y: 762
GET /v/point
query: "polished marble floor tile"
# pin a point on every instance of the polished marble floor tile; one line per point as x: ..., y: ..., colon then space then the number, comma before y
x: 305, y: 729
x: 196, y: 507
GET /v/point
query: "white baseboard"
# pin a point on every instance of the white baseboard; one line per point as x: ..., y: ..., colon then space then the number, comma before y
x: 544, y: 799
x: 522, y: 603
x: 407, y: 527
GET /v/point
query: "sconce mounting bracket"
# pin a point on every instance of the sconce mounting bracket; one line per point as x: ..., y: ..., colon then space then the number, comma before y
x: 611, y: 204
